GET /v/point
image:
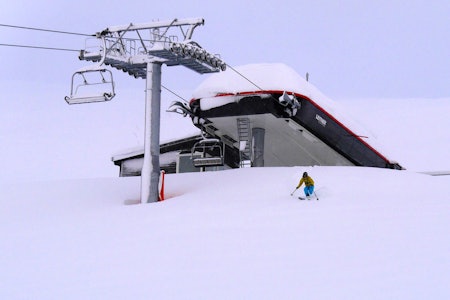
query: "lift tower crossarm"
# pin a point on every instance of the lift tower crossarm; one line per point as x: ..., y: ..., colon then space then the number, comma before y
x: 158, y: 43
x: 193, y: 23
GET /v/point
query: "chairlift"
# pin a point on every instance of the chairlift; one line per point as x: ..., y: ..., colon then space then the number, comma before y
x: 208, y: 153
x: 87, y: 86
x: 181, y: 108
x: 88, y: 83
x: 290, y: 102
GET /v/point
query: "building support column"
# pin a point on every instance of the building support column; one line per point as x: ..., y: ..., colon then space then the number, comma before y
x: 258, y: 147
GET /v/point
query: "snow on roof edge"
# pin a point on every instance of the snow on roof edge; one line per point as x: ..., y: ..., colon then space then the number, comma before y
x: 139, y: 150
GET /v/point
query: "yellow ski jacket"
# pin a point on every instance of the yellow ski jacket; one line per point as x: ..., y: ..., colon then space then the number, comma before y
x: 307, y: 180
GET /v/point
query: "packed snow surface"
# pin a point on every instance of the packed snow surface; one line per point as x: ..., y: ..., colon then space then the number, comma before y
x: 236, y: 234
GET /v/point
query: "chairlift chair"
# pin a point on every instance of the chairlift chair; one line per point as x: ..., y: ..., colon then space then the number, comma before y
x: 90, y: 82
x: 208, y: 153
x: 87, y: 86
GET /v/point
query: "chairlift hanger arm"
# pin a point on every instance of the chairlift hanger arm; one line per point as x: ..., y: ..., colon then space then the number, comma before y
x: 119, y: 37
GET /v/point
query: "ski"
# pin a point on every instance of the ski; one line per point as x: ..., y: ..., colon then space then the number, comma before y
x: 303, y: 198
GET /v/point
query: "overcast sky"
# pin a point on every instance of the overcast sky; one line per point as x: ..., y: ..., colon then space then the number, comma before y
x: 350, y: 48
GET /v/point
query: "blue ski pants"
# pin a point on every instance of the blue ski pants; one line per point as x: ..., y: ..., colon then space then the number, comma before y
x: 309, y: 190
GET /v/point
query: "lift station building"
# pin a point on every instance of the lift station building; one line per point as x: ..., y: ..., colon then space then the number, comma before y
x: 264, y: 115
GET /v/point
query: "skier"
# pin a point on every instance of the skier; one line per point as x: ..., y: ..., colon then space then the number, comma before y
x: 309, y: 185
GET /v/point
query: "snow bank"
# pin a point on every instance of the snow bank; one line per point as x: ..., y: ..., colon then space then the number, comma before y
x: 235, y: 234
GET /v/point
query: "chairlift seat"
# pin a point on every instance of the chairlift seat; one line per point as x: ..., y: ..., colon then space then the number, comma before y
x: 208, y: 161
x: 89, y: 99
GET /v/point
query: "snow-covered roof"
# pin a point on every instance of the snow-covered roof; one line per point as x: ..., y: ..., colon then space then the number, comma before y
x: 139, y: 150
x: 266, y: 77
x: 253, y: 77
x: 273, y: 77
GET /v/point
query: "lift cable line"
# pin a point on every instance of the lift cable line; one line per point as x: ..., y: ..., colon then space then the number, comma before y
x: 246, y: 78
x: 88, y: 35
x: 173, y: 93
x: 140, y: 50
x: 45, y: 30
x: 68, y: 32
x: 39, y: 47
x: 74, y: 50
x: 290, y: 102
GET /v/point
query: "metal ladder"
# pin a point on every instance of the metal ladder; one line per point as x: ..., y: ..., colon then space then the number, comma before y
x: 244, y: 135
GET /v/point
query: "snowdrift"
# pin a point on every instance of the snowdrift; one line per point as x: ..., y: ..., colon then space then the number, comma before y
x: 236, y: 234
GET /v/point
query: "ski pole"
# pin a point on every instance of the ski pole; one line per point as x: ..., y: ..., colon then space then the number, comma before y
x: 315, y: 195
x: 294, y: 191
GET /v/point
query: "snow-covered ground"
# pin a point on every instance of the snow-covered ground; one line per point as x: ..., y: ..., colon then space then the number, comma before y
x: 238, y: 234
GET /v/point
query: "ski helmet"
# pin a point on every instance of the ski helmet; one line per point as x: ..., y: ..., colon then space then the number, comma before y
x: 305, y: 174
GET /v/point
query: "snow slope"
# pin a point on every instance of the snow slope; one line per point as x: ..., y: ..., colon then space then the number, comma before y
x: 414, y: 131
x: 236, y: 234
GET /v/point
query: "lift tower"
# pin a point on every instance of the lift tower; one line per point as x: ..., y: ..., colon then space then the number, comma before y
x: 140, y: 50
